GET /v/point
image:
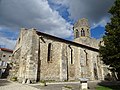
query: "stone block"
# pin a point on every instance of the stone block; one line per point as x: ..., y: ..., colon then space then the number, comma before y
x: 28, y: 81
x: 83, y: 83
x: 24, y: 81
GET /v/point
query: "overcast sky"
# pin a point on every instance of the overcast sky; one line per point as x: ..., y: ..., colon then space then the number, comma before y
x: 55, y: 17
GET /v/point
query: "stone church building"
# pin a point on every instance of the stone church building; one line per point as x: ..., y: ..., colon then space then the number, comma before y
x: 40, y: 56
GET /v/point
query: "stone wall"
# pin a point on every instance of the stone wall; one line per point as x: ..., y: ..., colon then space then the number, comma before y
x: 23, y: 56
x: 67, y: 66
x: 50, y: 69
x: 44, y: 57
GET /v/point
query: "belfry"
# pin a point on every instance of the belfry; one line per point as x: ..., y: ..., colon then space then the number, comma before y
x: 81, y: 28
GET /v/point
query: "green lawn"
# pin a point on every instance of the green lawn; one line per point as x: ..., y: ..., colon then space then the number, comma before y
x: 115, y: 87
x: 102, y: 88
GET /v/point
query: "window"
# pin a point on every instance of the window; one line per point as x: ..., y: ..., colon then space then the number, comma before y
x: 77, y: 33
x: 2, y: 63
x: 86, y: 57
x: 82, y: 32
x: 49, y: 52
x: 71, y: 54
x: 18, y: 40
x: 87, y: 30
x: 4, y: 55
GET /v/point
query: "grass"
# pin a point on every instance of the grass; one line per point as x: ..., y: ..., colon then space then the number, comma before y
x: 114, y: 87
x: 66, y: 86
x: 13, y: 79
x: 102, y: 88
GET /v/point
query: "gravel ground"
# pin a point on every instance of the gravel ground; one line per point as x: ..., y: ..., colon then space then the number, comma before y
x: 59, y: 85
x: 7, y: 85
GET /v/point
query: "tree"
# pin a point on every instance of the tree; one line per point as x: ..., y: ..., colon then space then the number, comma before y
x: 110, y: 52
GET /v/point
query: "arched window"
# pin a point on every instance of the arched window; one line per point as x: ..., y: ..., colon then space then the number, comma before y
x: 88, y: 30
x: 49, y: 52
x: 86, y: 57
x: 77, y: 33
x: 71, y: 54
x: 18, y: 40
x: 82, y: 32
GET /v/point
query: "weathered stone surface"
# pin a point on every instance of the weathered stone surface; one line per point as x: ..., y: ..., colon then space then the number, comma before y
x: 28, y: 81
x: 24, y: 81
x: 40, y: 56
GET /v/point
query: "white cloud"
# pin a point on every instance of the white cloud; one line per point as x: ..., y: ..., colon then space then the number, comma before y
x: 101, y: 23
x: 93, y: 10
x: 16, y: 14
x: 33, y: 14
x: 7, y: 38
x: 7, y: 42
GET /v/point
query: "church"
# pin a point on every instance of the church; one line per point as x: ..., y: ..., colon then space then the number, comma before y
x: 40, y: 56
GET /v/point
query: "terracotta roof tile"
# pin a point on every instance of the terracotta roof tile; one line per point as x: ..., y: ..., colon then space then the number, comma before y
x: 5, y: 49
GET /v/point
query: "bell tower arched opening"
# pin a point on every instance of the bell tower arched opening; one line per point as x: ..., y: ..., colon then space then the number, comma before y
x: 81, y: 28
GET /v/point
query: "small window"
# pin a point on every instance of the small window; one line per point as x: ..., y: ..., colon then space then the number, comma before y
x: 77, y: 33
x: 82, y: 32
x: 49, y: 58
x: 18, y: 40
x: 88, y: 30
x: 71, y: 54
x: 4, y: 55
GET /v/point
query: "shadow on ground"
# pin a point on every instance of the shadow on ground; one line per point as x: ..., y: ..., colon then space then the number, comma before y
x: 57, y: 86
x: 4, y: 82
x: 113, y: 85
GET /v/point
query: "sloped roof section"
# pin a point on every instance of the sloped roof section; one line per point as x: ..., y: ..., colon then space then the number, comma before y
x: 7, y: 50
x: 67, y: 41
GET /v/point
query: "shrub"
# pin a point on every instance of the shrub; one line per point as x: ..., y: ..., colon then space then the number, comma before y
x: 13, y: 79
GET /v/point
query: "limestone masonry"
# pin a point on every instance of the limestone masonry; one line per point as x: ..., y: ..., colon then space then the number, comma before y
x: 39, y: 56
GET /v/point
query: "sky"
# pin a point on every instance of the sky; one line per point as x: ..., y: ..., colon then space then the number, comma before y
x: 55, y: 17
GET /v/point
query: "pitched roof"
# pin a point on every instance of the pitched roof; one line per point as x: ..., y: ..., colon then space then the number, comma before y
x: 69, y: 42
x: 5, y: 49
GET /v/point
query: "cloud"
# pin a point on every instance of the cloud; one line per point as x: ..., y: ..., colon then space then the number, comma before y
x: 16, y: 14
x: 94, y: 10
x: 7, y: 43
x: 7, y: 38
x: 33, y: 14
x: 101, y: 23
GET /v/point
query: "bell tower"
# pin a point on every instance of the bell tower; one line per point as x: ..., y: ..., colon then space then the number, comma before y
x: 81, y: 28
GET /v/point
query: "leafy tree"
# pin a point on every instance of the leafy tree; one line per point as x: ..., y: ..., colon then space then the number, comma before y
x: 110, y: 52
